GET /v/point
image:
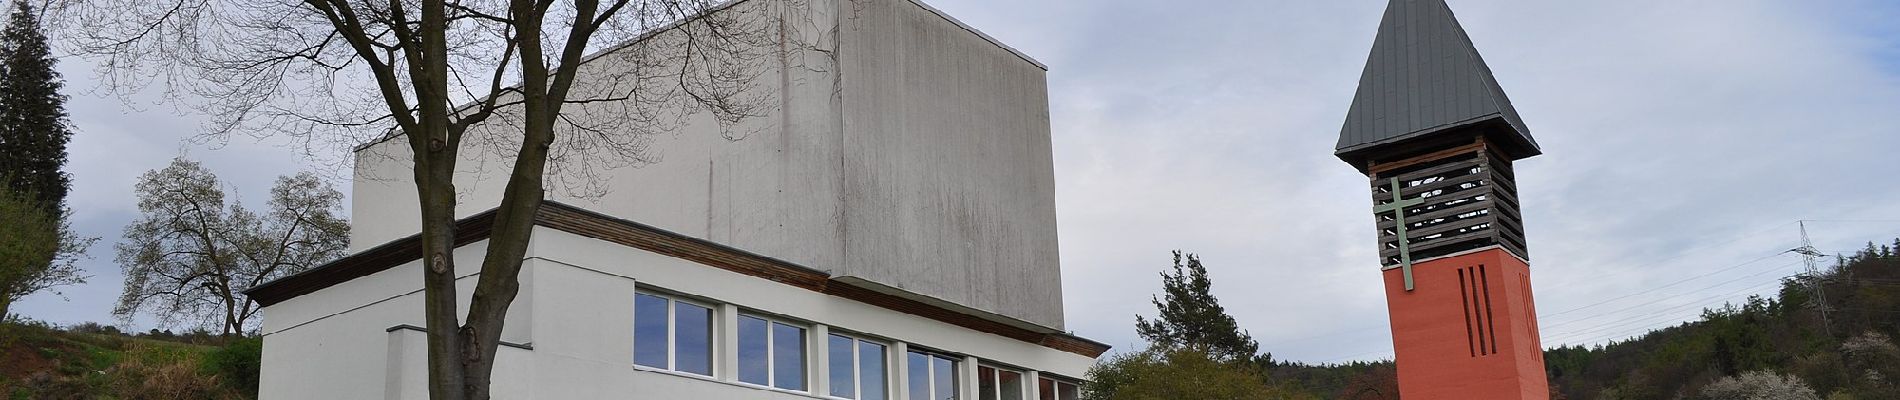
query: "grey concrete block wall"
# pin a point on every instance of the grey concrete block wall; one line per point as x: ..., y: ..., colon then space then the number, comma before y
x: 948, y: 172
x: 903, y: 148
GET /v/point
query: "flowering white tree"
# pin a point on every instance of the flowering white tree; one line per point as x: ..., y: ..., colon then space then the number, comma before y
x: 1759, y: 385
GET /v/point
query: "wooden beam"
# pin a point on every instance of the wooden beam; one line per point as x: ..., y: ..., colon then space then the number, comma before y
x: 1377, y: 168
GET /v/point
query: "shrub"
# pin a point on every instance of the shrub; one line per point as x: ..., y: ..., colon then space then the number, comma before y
x: 93, y: 328
x: 238, y: 364
x: 138, y: 379
x: 1166, y: 374
x: 152, y: 373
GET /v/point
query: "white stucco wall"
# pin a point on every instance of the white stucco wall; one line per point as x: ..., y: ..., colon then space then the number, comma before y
x: 576, y: 312
x: 903, y: 148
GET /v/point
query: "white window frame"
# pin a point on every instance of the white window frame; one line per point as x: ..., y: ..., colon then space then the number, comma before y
x: 857, y: 366
x: 771, y: 353
x: 1057, y: 385
x: 930, y: 372
x: 996, y: 375
x: 672, y: 332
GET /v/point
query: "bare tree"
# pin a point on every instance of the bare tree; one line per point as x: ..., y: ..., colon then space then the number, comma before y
x: 190, y: 253
x: 322, y: 70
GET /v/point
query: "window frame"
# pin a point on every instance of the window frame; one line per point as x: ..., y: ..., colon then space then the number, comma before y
x: 1056, y: 383
x: 857, y: 365
x: 672, y: 334
x: 771, y: 353
x: 930, y: 371
x: 995, y: 375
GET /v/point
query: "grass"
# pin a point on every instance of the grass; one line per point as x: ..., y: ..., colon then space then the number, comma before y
x: 40, y: 362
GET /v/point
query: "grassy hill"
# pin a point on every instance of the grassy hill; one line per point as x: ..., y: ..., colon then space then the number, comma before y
x: 91, y: 362
x: 1782, y: 346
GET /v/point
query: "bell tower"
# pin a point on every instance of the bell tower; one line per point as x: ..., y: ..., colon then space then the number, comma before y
x: 1436, y: 136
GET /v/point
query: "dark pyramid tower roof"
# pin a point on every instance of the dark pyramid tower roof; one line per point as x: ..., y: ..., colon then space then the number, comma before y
x: 1425, y: 86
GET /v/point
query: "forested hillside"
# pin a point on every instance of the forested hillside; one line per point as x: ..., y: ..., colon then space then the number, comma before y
x: 1778, y: 348
x: 1850, y: 354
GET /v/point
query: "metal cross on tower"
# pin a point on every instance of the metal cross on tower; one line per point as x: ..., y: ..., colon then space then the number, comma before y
x: 1397, y: 207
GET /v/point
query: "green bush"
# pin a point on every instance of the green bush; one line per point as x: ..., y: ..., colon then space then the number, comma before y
x: 1169, y: 374
x: 237, y: 363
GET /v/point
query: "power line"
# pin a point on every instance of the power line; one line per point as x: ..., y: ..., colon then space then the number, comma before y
x: 1343, y: 333
x: 1659, y: 299
x: 1809, y: 253
x: 1685, y: 253
x: 1701, y: 303
x: 1649, y: 320
x: 1624, y: 322
x: 1338, y: 359
x: 1670, y: 316
x: 1726, y: 269
x: 1871, y: 310
x: 1851, y: 220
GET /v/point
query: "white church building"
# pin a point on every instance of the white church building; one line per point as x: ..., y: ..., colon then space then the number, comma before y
x: 887, y: 232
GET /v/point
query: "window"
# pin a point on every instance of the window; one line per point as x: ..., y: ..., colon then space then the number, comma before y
x: 1053, y: 389
x: 998, y: 384
x: 771, y: 353
x: 932, y: 376
x: 672, y: 334
x: 857, y: 368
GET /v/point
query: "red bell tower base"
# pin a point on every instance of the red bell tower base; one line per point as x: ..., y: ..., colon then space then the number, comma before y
x: 1468, y: 330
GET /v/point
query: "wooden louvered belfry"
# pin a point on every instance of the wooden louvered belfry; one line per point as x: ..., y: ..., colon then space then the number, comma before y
x: 1468, y: 201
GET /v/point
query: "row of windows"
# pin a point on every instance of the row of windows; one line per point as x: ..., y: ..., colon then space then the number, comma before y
x: 677, y: 335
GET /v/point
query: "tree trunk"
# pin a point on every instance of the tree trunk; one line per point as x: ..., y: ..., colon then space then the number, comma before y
x: 501, y: 267
x: 437, y: 193
x: 514, y: 218
x: 434, y: 148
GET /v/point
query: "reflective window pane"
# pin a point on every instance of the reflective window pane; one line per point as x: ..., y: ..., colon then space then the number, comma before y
x: 1009, y: 385
x: 1069, y: 391
x: 1047, y: 388
x: 871, y: 381
x: 649, y: 330
x: 985, y: 383
x: 754, y: 361
x: 945, y: 372
x: 788, y: 356
x: 838, y: 357
x: 692, y: 339
x: 919, y: 374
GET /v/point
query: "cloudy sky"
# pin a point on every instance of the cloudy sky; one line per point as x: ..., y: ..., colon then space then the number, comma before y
x: 1683, y: 141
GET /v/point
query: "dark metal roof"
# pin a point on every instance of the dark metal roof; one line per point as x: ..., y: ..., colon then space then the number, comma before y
x: 1424, y: 77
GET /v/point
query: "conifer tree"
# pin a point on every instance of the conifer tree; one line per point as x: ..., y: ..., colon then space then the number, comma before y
x: 1191, y: 317
x: 33, y: 129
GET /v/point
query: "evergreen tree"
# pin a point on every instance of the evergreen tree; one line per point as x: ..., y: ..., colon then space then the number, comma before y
x: 33, y: 129
x: 1191, y: 317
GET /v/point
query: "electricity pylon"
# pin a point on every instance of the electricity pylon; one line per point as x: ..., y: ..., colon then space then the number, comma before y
x: 1811, y: 256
